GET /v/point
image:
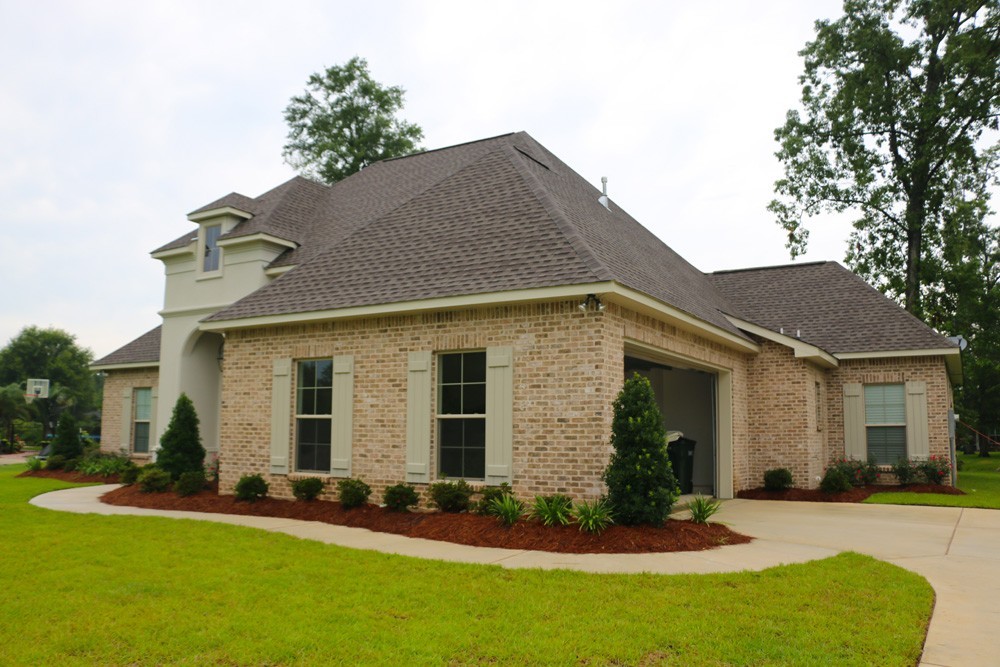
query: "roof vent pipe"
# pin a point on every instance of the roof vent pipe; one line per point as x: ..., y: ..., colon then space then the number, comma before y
x: 603, y: 199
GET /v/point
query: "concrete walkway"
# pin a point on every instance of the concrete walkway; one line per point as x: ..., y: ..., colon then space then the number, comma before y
x: 957, y: 550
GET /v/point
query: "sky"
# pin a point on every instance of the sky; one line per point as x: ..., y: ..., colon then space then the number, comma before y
x: 119, y: 118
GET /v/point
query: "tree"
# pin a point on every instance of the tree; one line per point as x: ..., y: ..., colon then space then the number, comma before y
x: 641, y: 485
x: 899, y: 104
x: 13, y: 407
x: 67, y: 442
x: 52, y: 354
x: 180, y: 447
x: 345, y: 121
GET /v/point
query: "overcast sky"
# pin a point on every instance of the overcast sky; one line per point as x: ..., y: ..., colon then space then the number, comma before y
x: 118, y: 118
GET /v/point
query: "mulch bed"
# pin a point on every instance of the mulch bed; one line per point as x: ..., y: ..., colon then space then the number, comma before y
x: 855, y: 495
x: 465, y: 528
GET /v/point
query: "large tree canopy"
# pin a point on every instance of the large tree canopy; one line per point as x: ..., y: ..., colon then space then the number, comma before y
x: 345, y: 121
x: 54, y: 355
x: 897, y: 125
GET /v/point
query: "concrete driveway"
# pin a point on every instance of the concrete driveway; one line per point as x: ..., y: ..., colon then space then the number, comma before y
x: 956, y: 550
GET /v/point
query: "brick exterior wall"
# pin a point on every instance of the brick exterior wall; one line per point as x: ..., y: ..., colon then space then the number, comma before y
x: 894, y: 370
x: 785, y: 431
x: 115, y: 384
x: 567, y: 369
x: 564, y: 383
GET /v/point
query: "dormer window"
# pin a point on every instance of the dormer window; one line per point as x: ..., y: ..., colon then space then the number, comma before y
x: 212, y: 250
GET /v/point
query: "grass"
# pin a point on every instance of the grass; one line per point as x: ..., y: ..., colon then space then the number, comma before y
x: 979, y: 478
x: 121, y: 590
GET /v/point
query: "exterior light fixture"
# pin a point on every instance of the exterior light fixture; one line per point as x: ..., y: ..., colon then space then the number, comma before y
x: 591, y: 299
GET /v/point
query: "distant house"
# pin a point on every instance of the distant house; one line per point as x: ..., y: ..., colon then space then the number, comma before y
x: 471, y: 312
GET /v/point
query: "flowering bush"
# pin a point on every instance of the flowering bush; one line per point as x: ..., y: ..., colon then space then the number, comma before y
x: 906, y: 471
x: 935, y: 469
x: 861, y: 473
x: 212, y: 467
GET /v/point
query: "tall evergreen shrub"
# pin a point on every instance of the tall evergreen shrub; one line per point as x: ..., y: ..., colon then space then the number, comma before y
x: 67, y: 442
x: 641, y: 484
x: 180, y: 447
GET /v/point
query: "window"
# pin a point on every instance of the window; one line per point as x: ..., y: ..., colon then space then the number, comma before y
x: 313, y: 415
x: 142, y: 410
x: 819, y: 407
x: 461, y: 414
x: 212, y: 250
x: 885, y: 422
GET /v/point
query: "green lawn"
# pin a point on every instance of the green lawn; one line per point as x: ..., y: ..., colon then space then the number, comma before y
x: 979, y: 478
x: 86, y: 589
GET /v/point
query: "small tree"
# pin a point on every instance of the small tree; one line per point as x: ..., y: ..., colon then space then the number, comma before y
x: 641, y: 484
x: 67, y: 442
x: 180, y: 447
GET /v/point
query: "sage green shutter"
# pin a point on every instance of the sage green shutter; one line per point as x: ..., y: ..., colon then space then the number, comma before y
x: 343, y: 413
x: 418, y: 417
x: 499, y: 414
x: 855, y: 443
x: 281, y: 417
x: 126, y: 426
x: 917, y: 442
x: 154, y: 399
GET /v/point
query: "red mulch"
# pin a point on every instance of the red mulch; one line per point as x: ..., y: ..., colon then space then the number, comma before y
x: 71, y: 476
x: 471, y: 529
x: 855, y: 495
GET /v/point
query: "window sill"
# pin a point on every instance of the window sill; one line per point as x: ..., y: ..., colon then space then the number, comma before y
x: 214, y: 275
x: 296, y: 476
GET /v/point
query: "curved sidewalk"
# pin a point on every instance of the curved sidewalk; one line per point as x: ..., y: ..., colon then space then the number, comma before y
x: 957, y: 550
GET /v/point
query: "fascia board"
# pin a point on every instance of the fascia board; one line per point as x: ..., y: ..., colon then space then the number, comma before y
x: 266, y: 238
x: 952, y: 358
x: 216, y: 212
x: 125, y: 367
x: 802, y: 349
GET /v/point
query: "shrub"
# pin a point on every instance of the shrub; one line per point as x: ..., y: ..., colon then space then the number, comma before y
x: 835, y: 480
x: 641, y: 485
x: 906, y: 471
x: 936, y: 469
x: 400, y: 497
x: 129, y: 475
x: 507, y: 509
x: 491, y: 493
x: 34, y: 463
x: 251, y: 488
x: 552, y: 510
x: 353, y: 493
x: 593, y: 517
x: 778, y: 479
x: 308, y: 488
x: 180, y: 446
x: 153, y: 480
x: 71, y: 465
x: 67, y: 442
x: 30, y: 432
x: 859, y: 473
x: 703, y: 507
x: 190, y: 483
x: 451, y: 496
x: 55, y: 462
x: 100, y: 463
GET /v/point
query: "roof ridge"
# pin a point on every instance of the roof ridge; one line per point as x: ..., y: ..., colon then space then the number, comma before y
x: 442, y: 148
x: 790, y: 265
x: 563, y: 224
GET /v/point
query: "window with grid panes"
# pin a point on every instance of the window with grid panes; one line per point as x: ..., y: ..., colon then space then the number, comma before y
x: 313, y: 415
x: 461, y: 414
x: 885, y: 422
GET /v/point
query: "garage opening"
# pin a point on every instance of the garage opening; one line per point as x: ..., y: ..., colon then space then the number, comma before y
x: 687, y: 398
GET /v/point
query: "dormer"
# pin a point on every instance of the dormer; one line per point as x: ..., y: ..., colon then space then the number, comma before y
x: 212, y: 224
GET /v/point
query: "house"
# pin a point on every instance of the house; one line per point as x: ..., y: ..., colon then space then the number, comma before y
x: 471, y: 312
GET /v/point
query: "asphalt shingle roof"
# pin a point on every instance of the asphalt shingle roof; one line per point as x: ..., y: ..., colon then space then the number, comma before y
x: 495, y: 215
x: 145, y: 348
x: 827, y: 305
